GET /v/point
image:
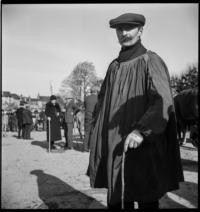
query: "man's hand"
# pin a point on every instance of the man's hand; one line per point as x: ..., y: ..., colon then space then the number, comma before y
x: 133, y: 140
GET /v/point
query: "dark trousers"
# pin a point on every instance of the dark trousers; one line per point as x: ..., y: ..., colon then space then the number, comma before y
x: 21, y: 130
x: 141, y: 205
x: 28, y: 128
x: 87, y: 135
x: 68, y: 131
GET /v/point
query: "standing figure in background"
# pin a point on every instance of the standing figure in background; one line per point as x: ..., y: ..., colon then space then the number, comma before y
x: 70, y: 109
x: 43, y: 119
x: 4, y: 122
x: 19, y: 114
x: 27, y: 122
x: 89, y: 104
x: 12, y: 121
x: 52, y: 110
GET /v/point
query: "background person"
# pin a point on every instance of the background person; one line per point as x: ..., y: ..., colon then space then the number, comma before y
x: 89, y: 104
x: 19, y: 114
x: 70, y: 109
x: 27, y: 122
x: 52, y: 110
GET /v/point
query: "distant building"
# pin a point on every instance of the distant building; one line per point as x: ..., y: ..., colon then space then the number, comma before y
x: 42, y: 100
x: 12, y: 100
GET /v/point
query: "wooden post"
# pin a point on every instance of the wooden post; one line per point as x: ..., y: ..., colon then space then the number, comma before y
x: 49, y: 120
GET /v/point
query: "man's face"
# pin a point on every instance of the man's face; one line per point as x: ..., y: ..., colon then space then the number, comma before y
x: 53, y: 101
x: 128, y: 34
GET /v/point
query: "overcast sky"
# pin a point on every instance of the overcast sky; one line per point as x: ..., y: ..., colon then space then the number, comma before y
x: 42, y: 43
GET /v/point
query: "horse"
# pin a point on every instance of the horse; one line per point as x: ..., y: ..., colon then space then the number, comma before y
x: 186, y: 108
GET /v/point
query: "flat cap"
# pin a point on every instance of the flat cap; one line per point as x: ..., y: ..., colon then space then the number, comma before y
x: 128, y: 18
x: 53, y: 97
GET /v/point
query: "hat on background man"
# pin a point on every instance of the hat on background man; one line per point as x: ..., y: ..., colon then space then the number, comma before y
x: 53, y: 97
x: 21, y: 103
x: 128, y: 18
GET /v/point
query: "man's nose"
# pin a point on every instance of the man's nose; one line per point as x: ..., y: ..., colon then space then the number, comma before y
x: 124, y: 32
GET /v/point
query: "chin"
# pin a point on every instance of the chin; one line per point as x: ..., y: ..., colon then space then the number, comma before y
x: 126, y: 44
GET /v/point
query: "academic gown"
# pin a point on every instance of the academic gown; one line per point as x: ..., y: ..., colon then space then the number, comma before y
x: 135, y: 94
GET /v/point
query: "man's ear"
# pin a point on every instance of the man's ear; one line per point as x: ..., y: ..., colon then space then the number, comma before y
x: 140, y: 30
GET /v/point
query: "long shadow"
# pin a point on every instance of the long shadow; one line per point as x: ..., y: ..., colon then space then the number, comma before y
x: 188, y: 191
x: 56, y: 194
x: 190, y: 165
x: 189, y: 148
x: 43, y: 144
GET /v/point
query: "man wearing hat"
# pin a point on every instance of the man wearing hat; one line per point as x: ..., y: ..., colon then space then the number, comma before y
x: 89, y: 103
x: 19, y: 114
x: 52, y: 110
x: 135, y: 116
x: 70, y: 111
x: 27, y: 122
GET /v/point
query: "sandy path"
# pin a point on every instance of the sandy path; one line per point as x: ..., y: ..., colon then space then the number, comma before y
x: 33, y: 178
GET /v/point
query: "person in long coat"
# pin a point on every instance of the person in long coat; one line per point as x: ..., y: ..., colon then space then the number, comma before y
x: 19, y: 114
x: 4, y: 122
x: 89, y: 104
x: 53, y: 110
x: 70, y: 109
x: 135, y: 115
x: 27, y: 122
x: 13, y: 121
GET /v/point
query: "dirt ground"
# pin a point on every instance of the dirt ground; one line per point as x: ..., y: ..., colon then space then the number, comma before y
x: 32, y: 178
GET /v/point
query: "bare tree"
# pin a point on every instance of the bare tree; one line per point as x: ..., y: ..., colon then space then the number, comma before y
x: 82, y: 77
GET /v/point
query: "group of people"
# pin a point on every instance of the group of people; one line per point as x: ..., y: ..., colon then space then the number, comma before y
x: 9, y: 121
x: 22, y: 120
x: 53, y: 113
x: 25, y: 121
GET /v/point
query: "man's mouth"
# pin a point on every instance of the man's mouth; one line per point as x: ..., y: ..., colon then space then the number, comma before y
x: 125, y: 39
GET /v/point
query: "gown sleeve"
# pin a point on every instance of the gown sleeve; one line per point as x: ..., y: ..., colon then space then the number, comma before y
x: 101, y: 94
x: 47, y: 110
x: 160, y: 100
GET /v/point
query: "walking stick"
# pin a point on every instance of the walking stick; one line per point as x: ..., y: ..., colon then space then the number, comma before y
x: 49, y: 120
x: 122, y: 177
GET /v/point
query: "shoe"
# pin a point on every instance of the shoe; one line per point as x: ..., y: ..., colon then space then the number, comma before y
x: 86, y: 150
x: 57, y: 147
x: 53, y: 147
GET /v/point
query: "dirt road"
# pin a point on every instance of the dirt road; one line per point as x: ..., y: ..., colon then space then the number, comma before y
x: 34, y: 178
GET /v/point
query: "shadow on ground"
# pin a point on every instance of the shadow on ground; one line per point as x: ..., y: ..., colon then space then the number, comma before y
x: 189, y: 148
x: 56, y: 194
x: 188, y: 191
x: 190, y: 165
x: 43, y: 144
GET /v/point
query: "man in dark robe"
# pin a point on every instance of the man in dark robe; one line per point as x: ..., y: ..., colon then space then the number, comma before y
x: 52, y: 111
x: 27, y: 122
x: 70, y: 110
x: 135, y: 114
x: 89, y: 103
x: 19, y: 114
